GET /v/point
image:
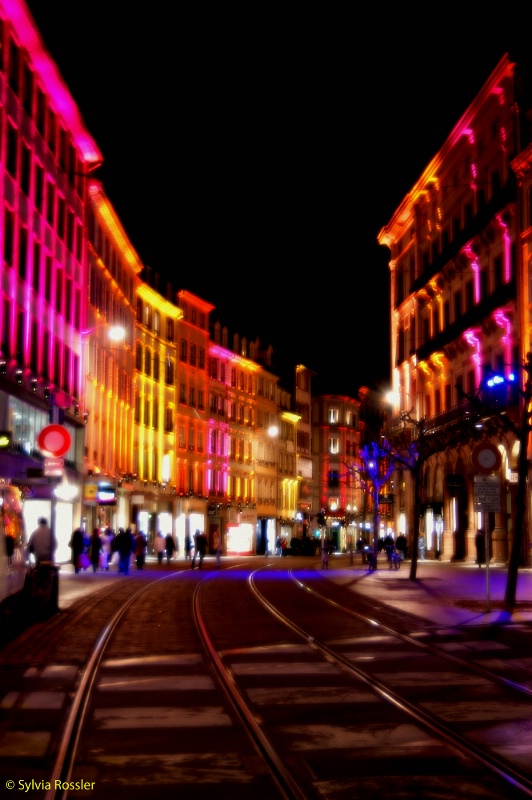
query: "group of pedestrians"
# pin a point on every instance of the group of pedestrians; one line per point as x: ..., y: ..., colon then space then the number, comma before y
x: 98, y: 550
x: 165, y: 546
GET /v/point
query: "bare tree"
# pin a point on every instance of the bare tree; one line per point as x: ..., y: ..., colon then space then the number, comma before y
x: 408, y: 447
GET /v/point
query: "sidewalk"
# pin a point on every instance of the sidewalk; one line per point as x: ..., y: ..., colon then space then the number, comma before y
x: 443, y: 592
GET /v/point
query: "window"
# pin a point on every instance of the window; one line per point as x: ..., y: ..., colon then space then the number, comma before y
x: 169, y: 372
x: 333, y: 479
x: 9, y: 237
x: 168, y: 419
x: 170, y: 330
x: 156, y: 366
x: 333, y: 416
x: 156, y: 322
x: 457, y: 298
x: 147, y: 317
x: 183, y: 347
x: 469, y: 295
x: 334, y: 445
x: 11, y: 146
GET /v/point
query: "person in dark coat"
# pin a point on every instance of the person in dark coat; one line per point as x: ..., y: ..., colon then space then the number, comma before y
x: 480, y: 544
x: 125, y: 544
x: 76, y: 545
x: 200, y: 549
x: 95, y: 549
x: 170, y: 547
x: 141, y: 545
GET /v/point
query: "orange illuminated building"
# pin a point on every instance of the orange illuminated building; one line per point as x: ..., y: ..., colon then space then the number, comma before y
x: 460, y: 310
x: 153, y: 493
x: 108, y: 365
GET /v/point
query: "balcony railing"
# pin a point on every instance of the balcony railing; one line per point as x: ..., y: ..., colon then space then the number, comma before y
x: 458, y: 415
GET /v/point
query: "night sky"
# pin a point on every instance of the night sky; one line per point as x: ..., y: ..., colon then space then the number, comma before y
x: 253, y: 158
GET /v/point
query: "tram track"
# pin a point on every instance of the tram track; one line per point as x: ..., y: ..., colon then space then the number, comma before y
x: 265, y: 683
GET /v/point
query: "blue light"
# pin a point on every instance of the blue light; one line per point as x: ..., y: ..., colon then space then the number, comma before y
x: 498, y: 379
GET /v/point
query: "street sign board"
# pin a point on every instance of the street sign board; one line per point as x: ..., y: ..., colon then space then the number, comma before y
x: 487, y: 495
x: 54, y: 467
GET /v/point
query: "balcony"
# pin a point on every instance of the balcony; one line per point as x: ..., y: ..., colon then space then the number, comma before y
x: 457, y: 416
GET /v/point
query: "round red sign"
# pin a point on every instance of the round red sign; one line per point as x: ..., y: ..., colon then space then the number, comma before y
x: 54, y: 440
x: 486, y: 458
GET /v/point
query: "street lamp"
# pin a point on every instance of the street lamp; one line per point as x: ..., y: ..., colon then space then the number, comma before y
x: 273, y: 433
x: 116, y: 333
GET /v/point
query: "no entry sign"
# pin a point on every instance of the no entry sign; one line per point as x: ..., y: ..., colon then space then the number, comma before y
x: 54, y: 440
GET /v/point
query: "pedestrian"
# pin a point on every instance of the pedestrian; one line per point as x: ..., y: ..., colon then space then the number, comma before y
x: 325, y: 556
x: 170, y: 547
x: 95, y: 549
x: 200, y: 548
x: 188, y: 547
x: 159, y: 546
x: 217, y: 544
x: 107, y: 548
x: 125, y: 545
x: 76, y: 546
x: 401, y: 545
x: 480, y: 544
x: 42, y: 543
x: 141, y: 545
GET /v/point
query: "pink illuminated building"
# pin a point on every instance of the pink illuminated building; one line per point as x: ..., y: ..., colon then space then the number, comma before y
x: 459, y: 253
x: 47, y: 158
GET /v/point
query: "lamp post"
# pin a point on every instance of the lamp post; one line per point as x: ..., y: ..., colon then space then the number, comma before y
x: 273, y: 433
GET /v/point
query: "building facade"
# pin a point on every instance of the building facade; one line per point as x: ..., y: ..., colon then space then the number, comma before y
x: 335, y: 444
x: 108, y: 367
x: 175, y: 427
x: 47, y: 159
x: 460, y: 313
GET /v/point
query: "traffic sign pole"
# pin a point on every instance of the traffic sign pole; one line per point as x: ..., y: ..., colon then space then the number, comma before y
x: 487, y: 498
